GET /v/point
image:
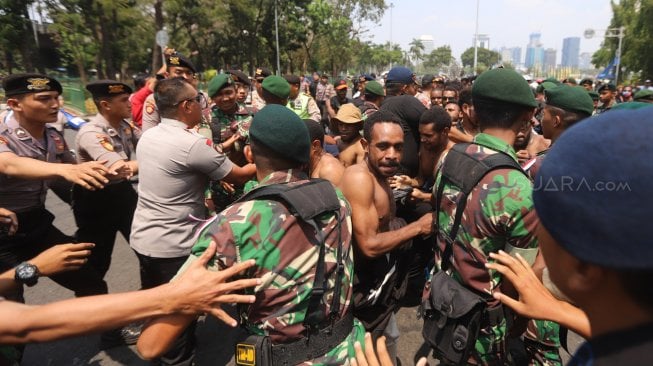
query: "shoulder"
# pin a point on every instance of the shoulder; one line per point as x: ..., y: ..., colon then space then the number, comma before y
x: 355, y: 178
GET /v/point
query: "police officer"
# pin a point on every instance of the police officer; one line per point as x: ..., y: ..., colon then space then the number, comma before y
x: 302, y: 104
x: 110, y: 139
x: 28, y: 150
x: 257, y: 98
x: 177, y: 65
x: 286, y: 254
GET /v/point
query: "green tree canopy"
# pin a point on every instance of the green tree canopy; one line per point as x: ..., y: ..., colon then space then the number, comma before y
x: 485, y: 57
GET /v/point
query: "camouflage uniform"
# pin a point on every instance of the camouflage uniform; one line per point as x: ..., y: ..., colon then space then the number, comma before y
x: 499, y: 216
x: 224, y: 125
x: 286, y: 262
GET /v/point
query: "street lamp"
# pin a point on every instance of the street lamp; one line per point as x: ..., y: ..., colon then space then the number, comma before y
x: 476, y: 39
x: 611, y: 33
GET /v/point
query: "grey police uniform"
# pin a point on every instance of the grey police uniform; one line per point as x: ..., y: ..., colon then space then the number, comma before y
x: 102, y: 213
x: 27, y: 199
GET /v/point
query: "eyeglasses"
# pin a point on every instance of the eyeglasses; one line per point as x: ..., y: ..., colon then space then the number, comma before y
x: 199, y: 99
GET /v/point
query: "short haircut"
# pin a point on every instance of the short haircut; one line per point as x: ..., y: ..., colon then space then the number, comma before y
x: 139, y: 80
x: 315, y: 131
x: 380, y: 116
x: 465, y: 97
x: 451, y: 88
x: 372, y: 97
x: 436, y: 116
x: 568, y: 118
x: 167, y: 95
x: 453, y: 85
x: 267, y: 158
x: 494, y: 114
x: 270, y: 98
x: 393, y: 88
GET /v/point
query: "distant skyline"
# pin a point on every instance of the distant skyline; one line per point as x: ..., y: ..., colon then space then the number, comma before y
x: 508, y: 23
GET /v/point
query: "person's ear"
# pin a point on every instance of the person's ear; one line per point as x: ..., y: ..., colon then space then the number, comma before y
x: 15, y: 104
x: 249, y: 156
x: 105, y: 105
x: 365, y: 144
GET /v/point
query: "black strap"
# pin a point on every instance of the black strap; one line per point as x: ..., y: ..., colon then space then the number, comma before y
x: 308, y: 201
x: 465, y: 171
x: 308, y: 348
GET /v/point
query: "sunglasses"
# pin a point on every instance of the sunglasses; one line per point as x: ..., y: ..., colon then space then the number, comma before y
x: 199, y: 99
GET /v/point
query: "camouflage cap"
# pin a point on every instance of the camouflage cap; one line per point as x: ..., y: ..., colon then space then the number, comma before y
x: 374, y: 87
x: 599, y: 170
x: 219, y: 82
x: 277, y: 86
x: 281, y: 130
x: 570, y: 98
x: 107, y: 88
x: 17, y: 84
x: 503, y: 85
x: 645, y: 94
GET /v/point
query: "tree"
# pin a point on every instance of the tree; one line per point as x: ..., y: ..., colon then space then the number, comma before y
x: 439, y: 57
x: 16, y: 36
x: 416, y: 49
x: 485, y: 57
x: 635, y: 16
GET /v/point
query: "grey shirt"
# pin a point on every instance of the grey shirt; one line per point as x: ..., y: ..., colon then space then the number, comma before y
x: 175, y: 166
x: 18, y: 194
x: 151, y: 115
x: 98, y: 140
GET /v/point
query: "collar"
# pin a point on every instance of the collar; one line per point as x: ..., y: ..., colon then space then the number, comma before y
x: 495, y: 144
x: 283, y: 176
x: 174, y: 123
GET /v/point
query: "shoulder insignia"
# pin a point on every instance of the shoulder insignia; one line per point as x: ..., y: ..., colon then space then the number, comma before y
x: 209, y: 143
x: 105, y: 141
x: 21, y: 134
x: 149, y: 108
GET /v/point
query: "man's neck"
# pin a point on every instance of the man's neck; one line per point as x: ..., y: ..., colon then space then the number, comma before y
x: 113, y: 121
x: 469, y: 127
x: 603, y: 321
x: 36, y: 129
x: 508, y: 136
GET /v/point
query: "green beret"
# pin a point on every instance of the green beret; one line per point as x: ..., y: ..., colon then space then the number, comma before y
x: 374, y: 87
x: 503, y: 85
x: 277, y: 86
x: 572, y: 81
x: 610, y: 87
x: 107, y: 88
x: 645, y: 94
x: 552, y: 80
x: 17, y: 84
x: 594, y: 95
x: 545, y: 86
x: 218, y: 82
x: 570, y: 98
x: 280, y: 129
x: 631, y: 105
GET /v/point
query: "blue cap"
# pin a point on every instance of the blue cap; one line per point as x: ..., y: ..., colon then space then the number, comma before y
x: 401, y: 74
x: 593, y: 191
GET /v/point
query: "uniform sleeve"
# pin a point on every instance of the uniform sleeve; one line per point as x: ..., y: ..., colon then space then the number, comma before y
x: 203, y: 157
x: 313, y: 110
x: 151, y: 116
x: 137, y: 104
x: 98, y: 147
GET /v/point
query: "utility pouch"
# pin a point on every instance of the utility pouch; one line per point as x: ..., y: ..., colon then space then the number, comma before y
x: 452, y: 319
x: 255, y: 350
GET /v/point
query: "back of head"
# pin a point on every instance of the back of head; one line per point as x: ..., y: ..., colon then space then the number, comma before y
x: 315, y: 131
x: 438, y: 117
x: 279, y: 138
x: 168, y: 93
x: 140, y: 80
x: 406, y: 107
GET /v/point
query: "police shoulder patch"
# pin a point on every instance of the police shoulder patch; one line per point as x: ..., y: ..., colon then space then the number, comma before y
x: 149, y: 108
x: 105, y: 141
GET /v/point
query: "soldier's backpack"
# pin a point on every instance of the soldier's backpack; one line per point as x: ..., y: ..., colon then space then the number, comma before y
x: 453, y: 313
x: 307, y: 201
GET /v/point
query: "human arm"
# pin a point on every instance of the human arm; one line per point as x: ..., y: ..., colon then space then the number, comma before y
x: 89, y: 175
x: 195, y: 292
x: 314, y: 110
x: 9, y: 221
x: 457, y: 136
x: 358, y: 187
x: 535, y: 301
x: 381, y: 357
x: 203, y: 157
x: 332, y: 112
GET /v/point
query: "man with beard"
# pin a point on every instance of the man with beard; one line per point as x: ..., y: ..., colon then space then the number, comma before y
x: 528, y: 144
x: 350, y: 123
x: 381, y: 239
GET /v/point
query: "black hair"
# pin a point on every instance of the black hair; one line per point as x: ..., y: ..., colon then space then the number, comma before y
x: 495, y: 114
x: 453, y: 85
x: 436, y: 116
x: 568, y: 118
x: 636, y: 284
x: 139, y: 80
x: 370, y: 97
x: 465, y: 97
x: 270, y: 98
x: 167, y: 95
x: 315, y: 130
x: 393, y: 88
x: 267, y: 158
x: 380, y: 116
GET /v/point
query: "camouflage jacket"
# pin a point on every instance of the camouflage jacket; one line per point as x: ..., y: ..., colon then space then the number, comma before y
x: 224, y: 125
x: 285, y: 261
x: 499, y: 216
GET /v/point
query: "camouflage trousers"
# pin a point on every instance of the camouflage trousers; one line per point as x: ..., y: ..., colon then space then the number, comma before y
x: 542, y: 340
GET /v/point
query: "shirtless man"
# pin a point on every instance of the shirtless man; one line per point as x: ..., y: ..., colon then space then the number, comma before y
x: 466, y: 127
x: 323, y: 165
x: 379, y: 251
x: 529, y: 144
x: 350, y: 123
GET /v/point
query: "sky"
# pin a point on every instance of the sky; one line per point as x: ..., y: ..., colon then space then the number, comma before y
x: 508, y: 23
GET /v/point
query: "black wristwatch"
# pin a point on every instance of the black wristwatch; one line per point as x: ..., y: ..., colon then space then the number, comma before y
x: 27, y: 274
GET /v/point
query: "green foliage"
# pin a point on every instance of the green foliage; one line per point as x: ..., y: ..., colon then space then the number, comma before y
x: 485, y: 57
x: 439, y: 57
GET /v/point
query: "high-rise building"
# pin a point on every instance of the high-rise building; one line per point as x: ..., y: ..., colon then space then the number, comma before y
x: 550, y: 56
x: 570, y: 51
x: 511, y: 55
x: 483, y: 41
x: 516, y: 56
x: 585, y: 60
x: 428, y: 43
x: 534, y: 51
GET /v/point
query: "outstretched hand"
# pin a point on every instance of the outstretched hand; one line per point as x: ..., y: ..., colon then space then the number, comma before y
x: 90, y: 175
x: 62, y: 258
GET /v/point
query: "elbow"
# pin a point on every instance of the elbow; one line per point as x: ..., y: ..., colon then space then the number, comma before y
x: 150, y: 351
x: 369, y: 251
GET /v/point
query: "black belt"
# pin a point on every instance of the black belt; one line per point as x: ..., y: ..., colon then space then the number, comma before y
x: 315, y: 345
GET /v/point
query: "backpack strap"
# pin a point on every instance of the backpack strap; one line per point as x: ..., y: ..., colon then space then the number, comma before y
x: 465, y: 172
x: 308, y: 201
